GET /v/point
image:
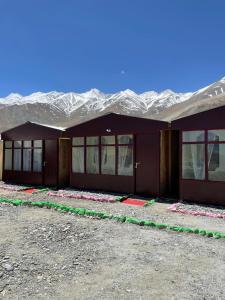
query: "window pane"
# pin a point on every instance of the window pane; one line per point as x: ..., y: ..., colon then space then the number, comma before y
x: 92, y: 160
x: 125, y: 160
x: 216, y: 135
x: 27, y: 144
x: 193, y: 136
x: 17, y: 144
x: 193, y: 161
x: 216, y: 162
x: 92, y: 140
x: 38, y: 143
x: 37, y: 160
x: 78, y: 160
x: 108, y: 160
x: 125, y: 139
x: 78, y: 141
x: 8, y: 159
x: 8, y: 144
x: 27, y: 160
x: 17, y: 160
x: 108, y: 140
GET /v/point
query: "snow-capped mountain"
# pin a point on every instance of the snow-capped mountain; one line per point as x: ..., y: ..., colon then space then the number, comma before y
x: 208, y: 97
x: 66, y: 109
x: 95, y: 100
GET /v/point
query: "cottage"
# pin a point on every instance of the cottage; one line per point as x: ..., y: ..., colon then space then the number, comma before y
x: 35, y: 154
x: 202, y: 156
x: 1, y: 158
x: 121, y: 154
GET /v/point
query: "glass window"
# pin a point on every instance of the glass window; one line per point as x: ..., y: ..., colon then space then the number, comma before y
x: 38, y: 144
x: 92, y: 140
x: 216, y: 162
x: 92, y: 160
x: 125, y: 139
x: 37, y: 160
x: 108, y: 140
x: 216, y: 135
x: 27, y: 144
x: 108, y: 160
x: 8, y: 144
x: 78, y: 160
x: 8, y: 159
x: 125, y: 160
x: 17, y: 160
x: 27, y: 159
x: 17, y: 144
x: 194, y: 136
x: 193, y: 161
x: 78, y: 141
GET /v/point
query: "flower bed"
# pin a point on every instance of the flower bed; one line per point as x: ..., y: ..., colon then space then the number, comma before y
x: 197, y: 210
x: 76, y: 194
x: 13, y: 187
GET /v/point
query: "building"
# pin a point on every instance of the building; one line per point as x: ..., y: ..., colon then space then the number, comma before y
x: 1, y: 158
x: 202, y: 156
x: 120, y: 153
x: 35, y: 154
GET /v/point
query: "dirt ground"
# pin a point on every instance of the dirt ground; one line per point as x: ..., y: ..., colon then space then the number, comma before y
x: 45, y: 254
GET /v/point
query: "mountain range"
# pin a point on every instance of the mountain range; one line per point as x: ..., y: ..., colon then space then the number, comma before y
x: 66, y: 109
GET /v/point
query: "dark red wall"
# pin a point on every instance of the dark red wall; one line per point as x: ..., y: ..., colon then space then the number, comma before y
x: 23, y: 177
x: 148, y: 183
x: 203, y: 191
x: 210, y: 119
x: 31, y: 131
x: 103, y: 182
x: 196, y: 190
x: 119, y: 124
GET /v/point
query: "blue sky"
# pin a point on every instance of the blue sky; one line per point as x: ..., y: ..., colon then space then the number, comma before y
x: 76, y: 45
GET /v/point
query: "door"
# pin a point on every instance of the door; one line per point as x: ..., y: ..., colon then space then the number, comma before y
x: 64, y: 161
x: 51, y: 163
x: 147, y: 164
x: 174, y: 191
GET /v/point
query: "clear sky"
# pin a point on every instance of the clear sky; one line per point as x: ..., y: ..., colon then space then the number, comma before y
x: 111, y: 45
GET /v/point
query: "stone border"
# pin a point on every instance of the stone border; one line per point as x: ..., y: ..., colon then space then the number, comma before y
x: 102, y: 215
x: 175, y: 208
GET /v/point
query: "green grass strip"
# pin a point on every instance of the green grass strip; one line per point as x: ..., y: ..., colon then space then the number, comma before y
x: 102, y: 215
x: 150, y: 202
x: 41, y: 191
x: 121, y: 198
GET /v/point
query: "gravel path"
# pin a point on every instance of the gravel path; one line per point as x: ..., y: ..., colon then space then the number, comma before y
x: 157, y: 212
x: 45, y: 254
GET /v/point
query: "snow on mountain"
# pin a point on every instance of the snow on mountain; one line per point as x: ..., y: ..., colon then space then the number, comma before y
x: 205, y: 98
x: 65, y: 109
x: 95, y: 100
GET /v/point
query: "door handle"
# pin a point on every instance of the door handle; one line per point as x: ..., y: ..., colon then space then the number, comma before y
x: 44, y: 163
x: 137, y: 164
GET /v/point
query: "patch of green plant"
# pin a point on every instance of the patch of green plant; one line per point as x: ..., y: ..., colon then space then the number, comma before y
x: 102, y: 215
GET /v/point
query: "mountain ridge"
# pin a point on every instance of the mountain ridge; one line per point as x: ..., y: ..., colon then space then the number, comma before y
x: 66, y: 109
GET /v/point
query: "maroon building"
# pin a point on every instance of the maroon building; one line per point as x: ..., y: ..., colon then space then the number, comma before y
x: 121, y: 154
x: 202, y: 156
x: 35, y: 154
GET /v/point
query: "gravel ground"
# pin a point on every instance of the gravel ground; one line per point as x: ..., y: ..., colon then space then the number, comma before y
x: 45, y: 254
x: 157, y: 212
x: 48, y: 255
